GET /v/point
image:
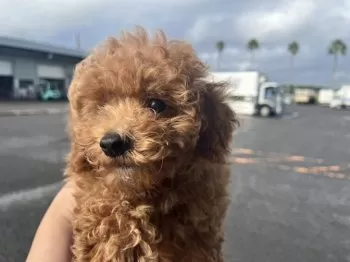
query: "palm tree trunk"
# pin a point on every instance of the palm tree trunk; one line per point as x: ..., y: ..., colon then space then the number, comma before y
x: 292, y: 70
x: 252, y: 56
x: 218, y: 60
x: 334, y: 69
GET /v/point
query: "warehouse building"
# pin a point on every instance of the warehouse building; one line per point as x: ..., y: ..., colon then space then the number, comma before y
x: 24, y: 65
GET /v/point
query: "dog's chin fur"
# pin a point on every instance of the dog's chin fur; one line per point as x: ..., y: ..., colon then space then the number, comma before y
x: 134, y: 181
x: 165, y: 199
x: 125, y: 173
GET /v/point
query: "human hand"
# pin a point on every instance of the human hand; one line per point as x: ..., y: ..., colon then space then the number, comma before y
x: 53, y: 239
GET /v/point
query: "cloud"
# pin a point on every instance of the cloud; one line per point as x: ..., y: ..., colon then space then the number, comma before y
x: 342, y: 11
x: 313, y: 23
x: 265, y: 23
x: 44, y: 18
x: 279, y: 22
x: 245, y: 65
x: 208, y: 26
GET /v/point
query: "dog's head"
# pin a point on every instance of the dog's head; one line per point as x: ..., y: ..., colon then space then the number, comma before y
x: 138, y: 102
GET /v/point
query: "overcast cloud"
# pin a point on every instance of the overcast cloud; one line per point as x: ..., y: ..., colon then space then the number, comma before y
x: 275, y: 23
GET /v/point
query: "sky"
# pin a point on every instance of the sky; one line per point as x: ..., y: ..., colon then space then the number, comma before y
x: 274, y: 23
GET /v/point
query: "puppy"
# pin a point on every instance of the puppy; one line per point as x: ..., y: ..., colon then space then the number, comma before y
x: 149, y: 141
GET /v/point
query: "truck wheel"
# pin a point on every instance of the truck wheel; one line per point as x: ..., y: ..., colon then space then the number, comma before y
x: 265, y: 111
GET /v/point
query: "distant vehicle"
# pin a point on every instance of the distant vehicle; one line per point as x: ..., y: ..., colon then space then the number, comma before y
x: 305, y: 96
x: 341, y: 99
x: 251, y: 93
x: 288, y: 99
x: 325, y: 96
x: 47, y: 91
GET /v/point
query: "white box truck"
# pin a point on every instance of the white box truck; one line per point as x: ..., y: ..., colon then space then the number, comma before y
x: 341, y: 98
x: 251, y: 93
x: 325, y: 96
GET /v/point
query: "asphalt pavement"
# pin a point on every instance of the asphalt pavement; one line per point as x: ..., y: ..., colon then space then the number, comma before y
x: 290, y: 185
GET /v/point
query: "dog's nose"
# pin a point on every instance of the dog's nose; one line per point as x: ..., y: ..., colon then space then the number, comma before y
x: 114, y: 145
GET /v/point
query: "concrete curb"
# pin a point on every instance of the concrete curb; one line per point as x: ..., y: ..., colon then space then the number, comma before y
x: 286, y: 116
x: 30, y: 112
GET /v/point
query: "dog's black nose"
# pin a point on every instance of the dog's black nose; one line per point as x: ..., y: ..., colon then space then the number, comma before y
x: 114, y: 145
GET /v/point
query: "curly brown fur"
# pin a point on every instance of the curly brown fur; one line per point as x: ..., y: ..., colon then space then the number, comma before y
x: 165, y: 200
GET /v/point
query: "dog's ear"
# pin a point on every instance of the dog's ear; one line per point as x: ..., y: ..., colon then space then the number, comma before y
x: 218, y: 121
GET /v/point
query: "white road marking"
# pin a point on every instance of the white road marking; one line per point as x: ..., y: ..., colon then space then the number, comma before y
x: 32, y: 111
x: 345, y: 220
x: 287, y: 116
x: 54, y: 157
x: 21, y: 142
x: 23, y: 197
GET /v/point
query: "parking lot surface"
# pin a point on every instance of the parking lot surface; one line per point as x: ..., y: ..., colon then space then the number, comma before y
x: 290, y: 185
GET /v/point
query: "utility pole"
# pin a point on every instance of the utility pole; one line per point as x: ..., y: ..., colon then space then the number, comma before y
x: 77, y: 41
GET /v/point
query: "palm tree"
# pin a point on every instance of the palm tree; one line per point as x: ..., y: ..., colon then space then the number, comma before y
x: 220, y: 45
x: 252, y: 46
x: 337, y: 47
x: 293, y: 49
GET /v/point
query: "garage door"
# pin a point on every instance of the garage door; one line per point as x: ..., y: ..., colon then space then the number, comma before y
x: 5, y: 68
x: 48, y: 71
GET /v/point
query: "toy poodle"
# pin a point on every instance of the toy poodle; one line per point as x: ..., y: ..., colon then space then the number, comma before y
x: 150, y: 137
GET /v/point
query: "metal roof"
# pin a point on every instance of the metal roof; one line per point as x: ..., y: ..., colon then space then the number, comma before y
x: 40, y: 47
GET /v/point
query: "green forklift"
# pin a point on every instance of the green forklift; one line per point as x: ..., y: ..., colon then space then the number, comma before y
x: 48, y: 92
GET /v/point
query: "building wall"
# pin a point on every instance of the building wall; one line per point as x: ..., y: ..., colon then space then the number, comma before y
x: 23, y: 70
x: 6, y: 79
x: 25, y: 67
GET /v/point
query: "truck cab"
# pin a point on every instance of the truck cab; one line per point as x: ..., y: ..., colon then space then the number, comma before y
x: 270, y: 99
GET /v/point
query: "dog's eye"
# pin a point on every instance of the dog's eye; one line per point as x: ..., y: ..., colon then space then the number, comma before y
x: 156, y: 105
